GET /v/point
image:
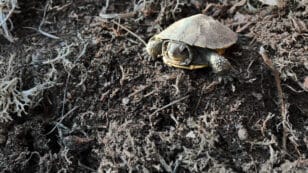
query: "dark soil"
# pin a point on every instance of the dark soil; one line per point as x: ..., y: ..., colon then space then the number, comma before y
x: 110, y: 107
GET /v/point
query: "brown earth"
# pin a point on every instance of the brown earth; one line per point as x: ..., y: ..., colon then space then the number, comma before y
x: 104, y: 105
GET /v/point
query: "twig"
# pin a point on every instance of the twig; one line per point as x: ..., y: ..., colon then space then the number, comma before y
x: 13, y: 6
x: 164, y: 164
x: 61, y: 119
x: 205, y: 90
x: 282, y: 102
x: 168, y: 105
x: 129, y: 31
x: 82, y: 53
x: 142, y: 88
x: 104, y: 9
x: 4, y: 26
x: 86, y: 167
x: 263, y: 128
x: 241, y: 29
x: 236, y: 6
x: 293, y: 89
x: 123, y: 77
x: 118, y: 15
x: 177, y: 164
x: 176, y: 8
x: 176, y: 85
x: 43, y: 21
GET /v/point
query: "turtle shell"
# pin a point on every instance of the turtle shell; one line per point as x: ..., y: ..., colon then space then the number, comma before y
x: 201, y: 31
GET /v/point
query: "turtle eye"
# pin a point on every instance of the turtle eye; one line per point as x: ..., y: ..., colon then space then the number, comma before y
x: 182, y: 48
x: 184, y: 51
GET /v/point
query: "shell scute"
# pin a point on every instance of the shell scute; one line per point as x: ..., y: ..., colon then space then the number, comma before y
x: 201, y: 31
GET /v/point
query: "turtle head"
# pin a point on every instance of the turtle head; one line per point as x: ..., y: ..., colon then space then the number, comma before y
x: 177, y: 52
x: 154, y: 47
x: 218, y: 63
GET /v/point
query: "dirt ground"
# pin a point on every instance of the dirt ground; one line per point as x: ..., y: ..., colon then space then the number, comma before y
x: 79, y: 93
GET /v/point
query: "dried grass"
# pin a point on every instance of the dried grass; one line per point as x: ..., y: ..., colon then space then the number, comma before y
x: 13, y: 100
x: 7, y: 8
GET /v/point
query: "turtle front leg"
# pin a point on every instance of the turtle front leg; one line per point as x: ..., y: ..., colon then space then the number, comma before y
x: 218, y: 63
x: 154, y: 47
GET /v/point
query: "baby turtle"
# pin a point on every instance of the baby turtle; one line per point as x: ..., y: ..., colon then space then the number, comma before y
x: 194, y: 42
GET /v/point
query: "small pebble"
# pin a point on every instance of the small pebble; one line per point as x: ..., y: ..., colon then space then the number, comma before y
x: 258, y: 96
x: 125, y: 101
x: 242, y: 133
x: 190, y: 134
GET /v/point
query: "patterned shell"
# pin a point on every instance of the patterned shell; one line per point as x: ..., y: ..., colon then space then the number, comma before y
x: 201, y: 31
